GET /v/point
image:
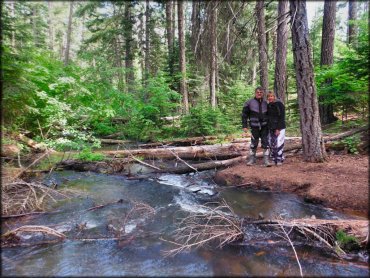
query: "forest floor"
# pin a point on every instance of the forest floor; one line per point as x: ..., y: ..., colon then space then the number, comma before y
x: 341, y: 183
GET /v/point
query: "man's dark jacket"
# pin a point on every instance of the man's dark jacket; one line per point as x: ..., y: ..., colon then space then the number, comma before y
x: 254, y: 113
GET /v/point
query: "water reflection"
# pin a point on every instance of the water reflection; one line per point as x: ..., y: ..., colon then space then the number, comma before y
x: 143, y: 254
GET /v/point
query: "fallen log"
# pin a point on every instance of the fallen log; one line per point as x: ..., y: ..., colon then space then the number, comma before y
x: 114, y: 141
x: 345, y: 134
x: 180, y: 142
x: 32, y: 144
x: 203, y: 166
x: 247, y: 140
x: 218, y: 151
x: 113, y: 135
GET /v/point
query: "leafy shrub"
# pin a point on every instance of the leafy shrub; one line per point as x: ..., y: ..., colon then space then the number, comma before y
x: 352, y: 144
x: 345, y: 241
x: 204, y: 120
x: 103, y: 128
x: 87, y: 155
x: 232, y: 100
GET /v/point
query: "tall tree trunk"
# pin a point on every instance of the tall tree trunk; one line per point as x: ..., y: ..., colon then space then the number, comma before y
x: 147, y: 40
x: 195, y: 26
x: 352, y: 28
x: 35, y: 31
x: 327, y: 56
x: 254, y: 74
x: 312, y: 141
x: 281, y: 50
x: 274, y: 43
x: 169, y: 19
x: 174, y: 21
x: 129, y: 59
x: 69, y: 34
x: 118, y: 62
x: 182, y: 62
x: 12, y: 13
x: 262, y: 46
x: 50, y: 26
x: 213, y: 52
x: 141, y: 47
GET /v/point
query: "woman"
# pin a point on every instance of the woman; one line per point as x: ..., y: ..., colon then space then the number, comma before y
x: 276, y: 119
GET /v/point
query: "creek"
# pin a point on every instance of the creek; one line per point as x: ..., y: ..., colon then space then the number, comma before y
x: 143, y: 254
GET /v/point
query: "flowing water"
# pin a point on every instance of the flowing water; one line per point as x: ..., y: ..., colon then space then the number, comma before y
x: 142, y: 251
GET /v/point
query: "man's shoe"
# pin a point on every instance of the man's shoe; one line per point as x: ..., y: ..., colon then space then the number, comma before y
x: 266, y: 161
x: 251, y: 160
x: 279, y: 163
x: 252, y: 157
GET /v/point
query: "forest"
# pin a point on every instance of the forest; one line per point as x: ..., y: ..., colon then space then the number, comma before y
x: 74, y: 72
x: 107, y: 87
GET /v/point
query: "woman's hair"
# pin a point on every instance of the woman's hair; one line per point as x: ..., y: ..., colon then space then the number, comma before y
x: 271, y: 93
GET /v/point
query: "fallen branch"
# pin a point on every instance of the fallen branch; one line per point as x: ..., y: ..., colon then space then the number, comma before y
x: 295, y: 253
x: 28, y: 214
x: 34, y: 229
x: 29, y: 166
x: 104, y: 205
x: 144, y: 163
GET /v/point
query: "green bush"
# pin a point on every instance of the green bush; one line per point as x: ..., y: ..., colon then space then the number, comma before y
x: 352, y: 144
x: 87, y: 155
x: 204, y: 120
x: 103, y: 128
x: 345, y: 241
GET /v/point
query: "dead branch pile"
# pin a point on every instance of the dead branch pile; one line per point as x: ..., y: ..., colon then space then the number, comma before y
x: 324, y: 230
x: 19, y: 197
x: 222, y: 225
x: 138, y: 211
x: 217, y: 224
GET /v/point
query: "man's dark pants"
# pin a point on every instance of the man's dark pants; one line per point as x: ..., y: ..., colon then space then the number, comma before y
x: 258, y: 133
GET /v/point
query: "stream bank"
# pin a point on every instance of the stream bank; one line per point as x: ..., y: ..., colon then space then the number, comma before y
x: 341, y: 183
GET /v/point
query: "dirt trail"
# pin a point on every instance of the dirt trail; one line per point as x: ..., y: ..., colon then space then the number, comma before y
x: 342, y: 183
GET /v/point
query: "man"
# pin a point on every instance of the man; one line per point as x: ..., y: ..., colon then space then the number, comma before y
x: 255, y: 115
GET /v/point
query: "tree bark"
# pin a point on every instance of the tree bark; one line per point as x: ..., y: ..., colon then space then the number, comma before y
x: 147, y: 40
x: 141, y: 48
x: 182, y: 61
x: 327, y: 56
x: 129, y: 59
x: 118, y: 62
x: 281, y: 50
x: 262, y: 46
x: 352, y: 28
x: 69, y: 34
x: 50, y: 26
x: 213, y: 52
x: 312, y: 141
x: 195, y: 29
x: 169, y: 19
x: 12, y: 13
